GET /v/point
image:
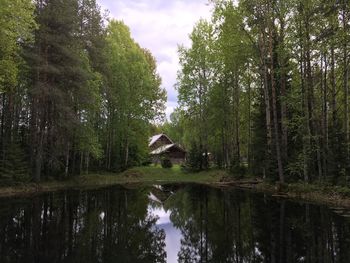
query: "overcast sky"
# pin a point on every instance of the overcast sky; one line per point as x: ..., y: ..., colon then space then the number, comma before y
x: 160, y: 25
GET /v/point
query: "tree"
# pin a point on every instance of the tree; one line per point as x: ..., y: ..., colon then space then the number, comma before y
x: 134, y: 97
x: 195, y: 80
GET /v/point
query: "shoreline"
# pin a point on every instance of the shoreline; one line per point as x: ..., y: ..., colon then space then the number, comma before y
x: 316, y: 194
x: 320, y: 195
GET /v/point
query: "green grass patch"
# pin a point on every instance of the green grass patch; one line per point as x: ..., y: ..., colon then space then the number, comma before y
x: 170, y: 175
x: 141, y: 175
x: 320, y: 188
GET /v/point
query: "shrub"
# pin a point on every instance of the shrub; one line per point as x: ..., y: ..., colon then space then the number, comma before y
x: 166, y: 163
x: 238, y: 170
x: 13, y: 163
x: 196, y: 161
x: 147, y: 162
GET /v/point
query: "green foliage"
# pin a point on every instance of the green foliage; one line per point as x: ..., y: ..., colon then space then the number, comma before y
x: 266, y: 83
x: 134, y: 96
x: 264, y: 86
x: 194, y: 82
x: 16, y: 25
x: 85, y: 98
x: 13, y: 163
x: 166, y: 163
x: 196, y: 160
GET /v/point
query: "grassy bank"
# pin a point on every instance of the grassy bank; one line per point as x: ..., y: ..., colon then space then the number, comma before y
x: 316, y: 193
x: 144, y: 175
x: 313, y: 193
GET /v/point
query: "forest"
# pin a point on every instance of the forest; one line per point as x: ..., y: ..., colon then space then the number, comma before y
x: 77, y: 93
x: 264, y: 90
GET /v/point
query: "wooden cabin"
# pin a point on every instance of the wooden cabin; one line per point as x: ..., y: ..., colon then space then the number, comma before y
x: 161, y: 146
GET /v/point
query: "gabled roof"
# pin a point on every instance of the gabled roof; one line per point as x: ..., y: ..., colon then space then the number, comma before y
x: 164, y: 148
x: 155, y: 138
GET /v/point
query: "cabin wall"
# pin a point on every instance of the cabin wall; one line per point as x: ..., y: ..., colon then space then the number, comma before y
x: 174, y: 157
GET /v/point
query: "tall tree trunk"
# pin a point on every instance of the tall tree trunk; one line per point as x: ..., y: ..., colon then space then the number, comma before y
x: 263, y: 56
x: 306, y: 136
x: 2, y: 118
x: 66, y: 169
x: 87, y: 163
x: 81, y: 163
x: 126, y: 157
x: 283, y: 81
x: 249, y: 122
x: 237, y: 123
x: 274, y: 109
x: 324, y: 112
x: 346, y: 80
x: 334, y: 89
x: 39, y: 157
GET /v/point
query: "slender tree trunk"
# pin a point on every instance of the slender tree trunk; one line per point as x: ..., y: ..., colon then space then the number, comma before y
x: 283, y: 81
x: 334, y: 89
x: 2, y: 118
x: 275, y: 114
x: 263, y: 56
x: 109, y: 143
x: 39, y: 157
x: 249, y: 123
x: 2, y: 130
x: 346, y: 81
x: 87, y: 163
x: 66, y: 169
x: 237, y: 124
x: 324, y: 113
x: 306, y: 136
x: 81, y: 163
x: 126, y: 160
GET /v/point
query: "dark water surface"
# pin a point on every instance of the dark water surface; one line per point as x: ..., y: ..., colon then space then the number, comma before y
x: 187, y: 223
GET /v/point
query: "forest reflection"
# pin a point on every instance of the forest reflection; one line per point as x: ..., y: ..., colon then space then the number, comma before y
x: 213, y: 225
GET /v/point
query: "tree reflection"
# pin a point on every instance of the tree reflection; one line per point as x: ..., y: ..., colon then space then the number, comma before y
x: 234, y: 226
x: 114, y: 225
x: 99, y: 226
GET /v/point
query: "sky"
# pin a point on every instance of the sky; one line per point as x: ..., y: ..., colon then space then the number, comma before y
x: 160, y: 26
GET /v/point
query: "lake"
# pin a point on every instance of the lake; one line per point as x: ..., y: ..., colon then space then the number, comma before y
x: 171, y: 223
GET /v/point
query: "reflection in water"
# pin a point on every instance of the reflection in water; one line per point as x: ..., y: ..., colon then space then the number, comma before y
x: 172, y: 234
x: 170, y: 224
x: 97, y: 226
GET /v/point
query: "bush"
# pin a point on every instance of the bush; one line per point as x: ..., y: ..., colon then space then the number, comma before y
x: 166, y: 163
x: 13, y: 163
x: 147, y: 162
x: 196, y: 161
x: 238, y: 171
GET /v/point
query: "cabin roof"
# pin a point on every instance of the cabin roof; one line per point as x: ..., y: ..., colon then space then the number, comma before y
x: 155, y: 138
x: 166, y: 147
x: 162, y: 149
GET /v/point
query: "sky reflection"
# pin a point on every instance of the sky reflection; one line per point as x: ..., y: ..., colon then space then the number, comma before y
x: 173, y: 235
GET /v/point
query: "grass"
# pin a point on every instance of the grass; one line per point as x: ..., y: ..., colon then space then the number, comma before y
x: 139, y: 175
x: 175, y: 174
x: 316, y: 193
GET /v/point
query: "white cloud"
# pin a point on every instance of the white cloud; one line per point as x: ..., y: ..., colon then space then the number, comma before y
x: 161, y: 25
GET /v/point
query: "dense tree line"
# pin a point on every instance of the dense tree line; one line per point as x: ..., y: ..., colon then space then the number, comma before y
x: 77, y: 92
x: 265, y: 85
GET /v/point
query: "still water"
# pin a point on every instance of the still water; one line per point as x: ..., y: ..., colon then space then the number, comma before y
x: 188, y: 223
